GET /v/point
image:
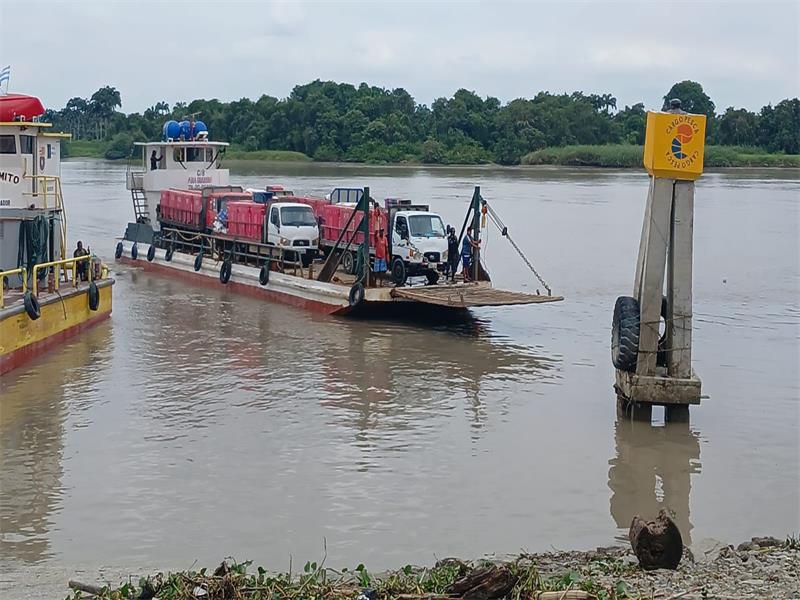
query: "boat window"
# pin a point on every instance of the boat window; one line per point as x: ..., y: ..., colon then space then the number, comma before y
x: 209, y: 154
x: 26, y: 144
x: 297, y: 216
x: 196, y: 155
x: 7, y: 144
x: 177, y: 155
x: 428, y: 226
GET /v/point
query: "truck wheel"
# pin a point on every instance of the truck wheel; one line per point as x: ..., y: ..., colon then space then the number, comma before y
x: 625, y: 334
x: 433, y: 277
x: 349, y: 262
x: 399, y: 274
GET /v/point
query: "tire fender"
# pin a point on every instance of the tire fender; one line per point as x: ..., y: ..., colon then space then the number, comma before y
x: 263, y: 275
x: 151, y: 253
x: 118, y: 251
x: 225, y: 271
x: 356, y: 295
x: 32, y: 307
x: 94, y: 296
x: 625, y: 329
x: 134, y: 251
x: 168, y: 254
x: 198, y: 261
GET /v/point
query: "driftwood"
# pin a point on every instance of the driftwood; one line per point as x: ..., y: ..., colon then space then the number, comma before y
x: 95, y: 590
x: 484, y: 583
x: 657, y: 544
x: 566, y: 595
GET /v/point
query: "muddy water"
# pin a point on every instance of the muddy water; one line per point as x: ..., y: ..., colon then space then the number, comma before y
x: 197, y: 424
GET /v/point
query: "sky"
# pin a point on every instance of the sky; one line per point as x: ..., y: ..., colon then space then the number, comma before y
x: 745, y: 54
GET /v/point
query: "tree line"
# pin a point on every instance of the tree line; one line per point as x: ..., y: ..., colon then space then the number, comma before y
x: 331, y: 121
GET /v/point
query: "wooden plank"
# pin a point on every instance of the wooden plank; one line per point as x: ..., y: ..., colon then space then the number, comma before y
x: 637, y: 283
x: 652, y: 280
x: 680, y: 292
x: 466, y: 296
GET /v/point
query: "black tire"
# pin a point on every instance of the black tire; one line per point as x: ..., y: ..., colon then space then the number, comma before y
x: 349, y: 262
x: 399, y: 273
x: 151, y: 253
x: 625, y: 334
x: 134, y: 252
x: 94, y: 296
x: 168, y: 254
x: 198, y: 261
x: 433, y: 277
x: 32, y: 307
x: 225, y: 271
x: 118, y: 251
x: 263, y: 275
x: 356, y: 295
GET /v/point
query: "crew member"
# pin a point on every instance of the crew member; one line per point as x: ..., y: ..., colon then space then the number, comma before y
x: 81, y: 266
x: 468, y: 248
x: 154, y: 160
x: 380, y: 256
x: 452, y: 252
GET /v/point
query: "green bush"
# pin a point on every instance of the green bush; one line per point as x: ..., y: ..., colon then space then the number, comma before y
x: 120, y: 146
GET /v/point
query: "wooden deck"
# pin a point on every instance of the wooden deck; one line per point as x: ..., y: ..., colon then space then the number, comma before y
x: 469, y: 295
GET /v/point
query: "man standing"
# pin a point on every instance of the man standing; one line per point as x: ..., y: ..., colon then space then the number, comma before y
x: 81, y: 266
x: 380, y: 256
x: 154, y: 160
x: 452, y: 252
x: 468, y: 247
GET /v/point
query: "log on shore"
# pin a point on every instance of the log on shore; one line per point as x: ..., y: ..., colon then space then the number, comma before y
x: 484, y: 583
x: 657, y: 544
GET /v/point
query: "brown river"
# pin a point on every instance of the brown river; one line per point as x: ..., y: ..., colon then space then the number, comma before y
x: 196, y: 424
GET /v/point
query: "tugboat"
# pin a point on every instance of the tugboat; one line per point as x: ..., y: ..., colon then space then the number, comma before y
x: 315, y: 253
x: 47, y: 295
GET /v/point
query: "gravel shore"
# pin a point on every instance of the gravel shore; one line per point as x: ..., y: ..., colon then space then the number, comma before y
x: 763, y: 568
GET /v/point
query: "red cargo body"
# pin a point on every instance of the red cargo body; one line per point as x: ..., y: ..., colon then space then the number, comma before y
x: 245, y: 220
x: 332, y: 219
x: 180, y: 207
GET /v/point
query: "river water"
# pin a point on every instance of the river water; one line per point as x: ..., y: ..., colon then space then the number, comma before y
x: 196, y: 424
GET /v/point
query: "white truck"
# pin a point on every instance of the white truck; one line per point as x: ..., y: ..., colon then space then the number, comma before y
x: 293, y: 226
x: 419, y: 242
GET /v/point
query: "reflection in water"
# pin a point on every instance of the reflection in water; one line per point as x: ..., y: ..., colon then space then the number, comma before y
x: 652, y: 470
x: 32, y: 416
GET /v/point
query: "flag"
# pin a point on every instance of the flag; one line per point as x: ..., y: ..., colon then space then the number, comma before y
x: 5, y: 76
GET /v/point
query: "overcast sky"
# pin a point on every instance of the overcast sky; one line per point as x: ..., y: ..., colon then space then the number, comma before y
x: 743, y: 53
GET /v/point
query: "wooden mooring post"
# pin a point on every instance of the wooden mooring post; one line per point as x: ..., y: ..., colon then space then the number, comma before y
x: 651, y: 340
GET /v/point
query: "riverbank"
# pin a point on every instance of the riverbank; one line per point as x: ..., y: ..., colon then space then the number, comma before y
x: 760, y: 568
x: 629, y: 156
x: 618, y: 156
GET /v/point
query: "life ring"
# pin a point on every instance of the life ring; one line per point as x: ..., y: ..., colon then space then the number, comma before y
x: 225, y: 271
x: 168, y: 254
x: 356, y: 295
x: 134, y: 252
x: 118, y: 251
x: 198, y: 261
x: 263, y: 275
x: 151, y: 253
x: 32, y: 307
x: 94, y: 296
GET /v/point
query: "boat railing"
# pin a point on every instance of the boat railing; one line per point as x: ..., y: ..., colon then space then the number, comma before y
x: 57, y: 265
x: 3, y: 274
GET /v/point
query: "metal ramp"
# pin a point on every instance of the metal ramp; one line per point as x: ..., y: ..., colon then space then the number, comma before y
x: 469, y: 295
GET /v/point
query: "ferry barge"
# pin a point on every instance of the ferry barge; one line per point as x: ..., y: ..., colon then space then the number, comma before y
x: 47, y: 295
x: 315, y: 253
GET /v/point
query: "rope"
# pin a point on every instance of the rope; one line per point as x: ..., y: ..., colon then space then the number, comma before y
x: 504, y: 231
x: 33, y: 237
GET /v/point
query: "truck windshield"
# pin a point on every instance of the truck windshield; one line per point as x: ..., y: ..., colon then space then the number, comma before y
x: 428, y: 226
x: 297, y: 216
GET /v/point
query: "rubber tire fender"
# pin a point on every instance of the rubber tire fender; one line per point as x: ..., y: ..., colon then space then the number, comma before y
x: 625, y: 329
x: 118, y: 251
x: 168, y: 253
x: 198, y: 261
x: 263, y: 275
x: 151, y: 253
x: 134, y: 251
x: 399, y: 273
x: 225, y: 271
x: 356, y: 295
x: 32, y: 307
x: 94, y: 296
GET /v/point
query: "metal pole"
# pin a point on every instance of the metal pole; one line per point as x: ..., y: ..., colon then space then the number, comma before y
x: 476, y: 230
x: 365, y: 229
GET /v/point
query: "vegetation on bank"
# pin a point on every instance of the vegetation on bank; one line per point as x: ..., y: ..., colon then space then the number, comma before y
x: 329, y: 121
x: 628, y: 155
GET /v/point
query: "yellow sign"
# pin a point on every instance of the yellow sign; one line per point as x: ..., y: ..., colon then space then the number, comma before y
x: 674, y: 144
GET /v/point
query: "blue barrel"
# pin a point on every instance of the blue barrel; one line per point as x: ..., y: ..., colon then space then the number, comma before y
x: 171, y: 130
x: 199, y: 127
x: 186, y: 130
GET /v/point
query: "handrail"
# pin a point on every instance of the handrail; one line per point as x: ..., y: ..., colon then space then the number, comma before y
x: 58, y: 263
x: 4, y: 274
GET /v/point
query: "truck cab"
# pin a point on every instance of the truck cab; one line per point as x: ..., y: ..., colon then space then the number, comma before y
x: 293, y: 226
x: 419, y: 242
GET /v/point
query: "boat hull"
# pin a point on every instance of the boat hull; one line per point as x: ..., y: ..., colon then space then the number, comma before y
x: 62, y: 317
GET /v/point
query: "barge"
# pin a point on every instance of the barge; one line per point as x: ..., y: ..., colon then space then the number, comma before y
x: 323, y: 259
x: 47, y: 294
